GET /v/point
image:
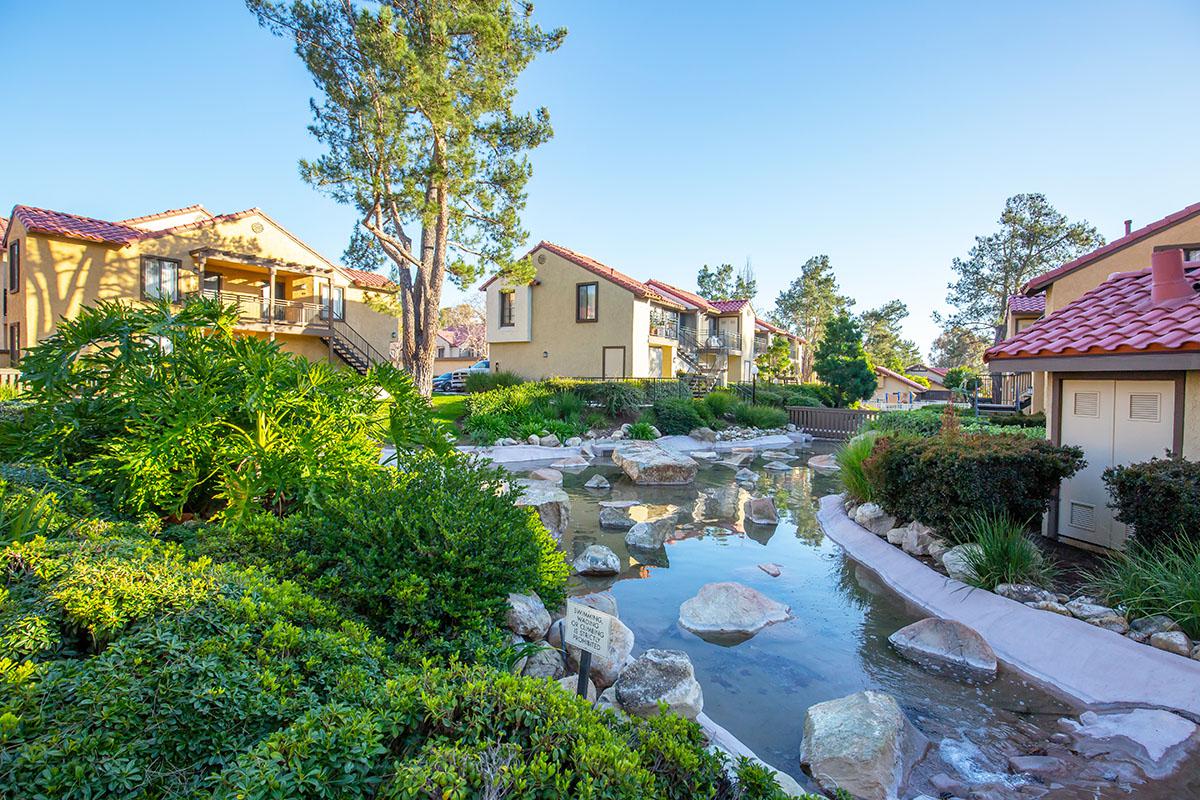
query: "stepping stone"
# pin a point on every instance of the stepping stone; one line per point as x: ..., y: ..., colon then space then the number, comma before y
x: 597, y: 482
x: 946, y: 646
x: 729, y: 609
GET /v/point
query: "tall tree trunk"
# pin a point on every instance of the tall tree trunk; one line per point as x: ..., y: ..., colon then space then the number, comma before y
x: 428, y: 296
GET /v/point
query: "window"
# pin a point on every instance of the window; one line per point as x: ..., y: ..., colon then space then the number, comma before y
x: 339, y: 302
x: 212, y: 284
x: 586, y: 302
x: 14, y: 267
x: 160, y: 278
x: 14, y: 342
x: 323, y: 300
x: 441, y: 352
x: 506, y: 309
x: 1191, y: 254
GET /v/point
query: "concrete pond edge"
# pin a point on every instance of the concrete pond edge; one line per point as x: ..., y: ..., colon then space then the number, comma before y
x: 1067, y: 657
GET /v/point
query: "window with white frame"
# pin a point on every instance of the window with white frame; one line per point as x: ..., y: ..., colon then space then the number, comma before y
x: 160, y: 278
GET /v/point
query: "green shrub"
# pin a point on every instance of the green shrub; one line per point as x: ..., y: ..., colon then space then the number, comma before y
x: 804, y: 401
x: 618, y: 399
x: 721, y: 403
x: 567, y: 405
x: 642, y: 430
x: 676, y: 415
x: 704, y: 411
x: 427, y: 552
x: 759, y: 416
x: 487, y: 428
x: 487, y: 381
x: 1018, y: 420
x: 594, y: 420
x: 1004, y: 553
x: 927, y: 421
x: 938, y: 479
x: 1160, y: 577
x: 850, y: 457
x: 1159, y: 499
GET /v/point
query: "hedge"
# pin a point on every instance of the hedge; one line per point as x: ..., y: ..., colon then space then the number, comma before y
x: 1159, y: 498
x: 942, y: 479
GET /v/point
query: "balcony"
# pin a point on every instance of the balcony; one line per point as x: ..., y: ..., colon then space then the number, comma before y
x: 258, y: 312
x: 664, y: 326
x: 713, y: 341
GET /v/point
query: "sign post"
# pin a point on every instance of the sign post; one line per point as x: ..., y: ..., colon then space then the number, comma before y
x: 591, y: 631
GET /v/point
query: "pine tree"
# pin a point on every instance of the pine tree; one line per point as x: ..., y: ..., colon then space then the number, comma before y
x: 842, y: 364
x: 808, y: 304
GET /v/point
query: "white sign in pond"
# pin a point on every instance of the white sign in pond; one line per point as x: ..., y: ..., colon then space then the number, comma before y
x: 588, y: 629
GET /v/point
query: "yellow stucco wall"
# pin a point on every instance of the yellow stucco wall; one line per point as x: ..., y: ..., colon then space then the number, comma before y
x: 570, y: 348
x: 887, y: 385
x: 60, y: 276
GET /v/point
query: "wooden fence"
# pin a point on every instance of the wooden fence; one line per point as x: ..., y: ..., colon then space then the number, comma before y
x: 9, y: 376
x: 830, y: 423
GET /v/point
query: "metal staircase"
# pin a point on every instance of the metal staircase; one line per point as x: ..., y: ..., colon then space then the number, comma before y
x: 350, y: 346
x: 703, y: 375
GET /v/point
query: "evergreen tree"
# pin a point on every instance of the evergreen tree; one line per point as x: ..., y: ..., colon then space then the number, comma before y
x: 415, y: 111
x: 808, y: 304
x: 958, y: 347
x: 882, y: 339
x: 842, y: 364
x: 720, y: 283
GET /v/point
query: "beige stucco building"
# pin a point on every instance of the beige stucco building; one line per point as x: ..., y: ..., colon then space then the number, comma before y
x: 285, y: 290
x: 892, y: 387
x: 581, y: 318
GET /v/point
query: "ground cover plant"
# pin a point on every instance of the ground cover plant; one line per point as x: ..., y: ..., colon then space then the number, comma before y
x: 1158, y: 577
x: 1002, y: 552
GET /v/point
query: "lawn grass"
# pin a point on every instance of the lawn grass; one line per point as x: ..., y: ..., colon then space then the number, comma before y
x: 449, y: 407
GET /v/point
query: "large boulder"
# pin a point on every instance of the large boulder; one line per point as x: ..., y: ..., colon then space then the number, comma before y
x: 597, y: 560
x: 551, y: 503
x: 874, y: 519
x: 946, y: 646
x: 729, y: 610
x: 721, y: 502
x: 648, y: 464
x: 545, y: 663
x: 652, y: 533
x: 704, y: 435
x: 527, y: 616
x: 547, y: 474
x: 917, y: 538
x: 614, y: 514
x: 572, y: 462
x: 761, y: 511
x: 956, y: 562
x: 660, y: 676
x: 606, y: 667
x: 862, y: 744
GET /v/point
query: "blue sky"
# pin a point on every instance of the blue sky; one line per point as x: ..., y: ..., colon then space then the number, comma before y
x: 886, y: 135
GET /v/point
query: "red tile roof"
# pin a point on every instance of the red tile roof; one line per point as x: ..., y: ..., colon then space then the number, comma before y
x: 1020, y: 304
x: 1042, y: 281
x: 726, y: 306
x: 1117, y: 316
x: 73, y: 226
x: 371, y: 280
x: 775, y: 329
x: 926, y: 368
x: 887, y: 373
x: 683, y: 295
x: 590, y: 264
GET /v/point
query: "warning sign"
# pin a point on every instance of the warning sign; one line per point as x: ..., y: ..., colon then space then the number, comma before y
x: 587, y: 628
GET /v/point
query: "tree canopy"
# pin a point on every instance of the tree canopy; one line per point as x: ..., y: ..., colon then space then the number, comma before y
x: 777, y: 360
x: 720, y: 283
x: 808, y: 304
x: 883, y: 340
x: 415, y: 112
x: 1033, y: 238
x: 957, y: 346
x: 842, y: 363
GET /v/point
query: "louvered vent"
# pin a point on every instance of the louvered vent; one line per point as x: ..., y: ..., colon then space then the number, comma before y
x: 1083, y: 516
x: 1087, y: 404
x: 1145, y: 407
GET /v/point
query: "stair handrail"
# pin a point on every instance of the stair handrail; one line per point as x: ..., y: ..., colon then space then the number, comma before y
x: 346, y: 331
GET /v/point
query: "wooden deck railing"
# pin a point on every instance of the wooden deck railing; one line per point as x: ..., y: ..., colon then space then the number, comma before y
x: 830, y: 423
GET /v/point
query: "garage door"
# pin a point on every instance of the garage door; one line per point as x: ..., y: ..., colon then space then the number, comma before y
x: 1114, y: 422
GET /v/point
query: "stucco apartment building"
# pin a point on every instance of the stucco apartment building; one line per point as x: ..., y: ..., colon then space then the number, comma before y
x: 57, y: 263
x: 582, y: 318
x: 1058, y: 288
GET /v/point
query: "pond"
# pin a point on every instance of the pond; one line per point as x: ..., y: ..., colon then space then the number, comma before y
x: 834, y: 644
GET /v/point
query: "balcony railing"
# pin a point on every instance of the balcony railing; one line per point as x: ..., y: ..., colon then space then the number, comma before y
x: 712, y: 340
x: 258, y: 309
x: 664, y: 326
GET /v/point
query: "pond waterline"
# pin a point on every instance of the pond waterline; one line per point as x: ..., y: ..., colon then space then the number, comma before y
x: 834, y: 644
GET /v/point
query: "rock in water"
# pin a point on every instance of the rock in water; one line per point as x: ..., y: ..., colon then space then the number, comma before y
x: 551, y: 502
x: 571, y: 462
x: 730, y: 611
x: 607, y: 666
x: 943, y: 645
x: 597, y: 482
x: 956, y: 563
x: 658, y: 676
x: 744, y: 475
x: 597, y: 560
x: 824, y: 463
x: 527, y: 616
x: 774, y: 570
x: 761, y: 511
x: 650, y: 534
x: 648, y: 464
x: 1157, y: 740
x: 614, y: 514
x: 722, y: 502
x: 547, y: 474
x: 862, y: 744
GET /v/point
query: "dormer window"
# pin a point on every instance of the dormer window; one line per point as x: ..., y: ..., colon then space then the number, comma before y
x: 587, y: 302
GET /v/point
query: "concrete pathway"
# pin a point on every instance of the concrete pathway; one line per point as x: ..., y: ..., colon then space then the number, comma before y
x: 1069, y: 657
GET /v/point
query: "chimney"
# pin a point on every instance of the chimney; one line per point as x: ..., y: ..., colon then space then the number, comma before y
x: 1128, y: 226
x: 1167, y: 279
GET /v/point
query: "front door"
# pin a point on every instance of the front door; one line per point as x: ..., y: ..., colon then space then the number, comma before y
x: 614, y: 362
x: 656, y: 362
x: 1114, y: 422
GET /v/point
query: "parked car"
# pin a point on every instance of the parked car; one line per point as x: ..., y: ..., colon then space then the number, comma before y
x: 458, y: 378
x: 442, y: 382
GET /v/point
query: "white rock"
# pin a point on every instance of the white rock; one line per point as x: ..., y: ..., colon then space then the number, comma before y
x: 547, y: 474
x: 874, y: 518
x: 574, y: 441
x: 660, y: 676
x: 1052, y: 606
x: 649, y: 464
x: 704, y: 455
x: 1084, y: 609
x: 937, y: 549
x: 917, y: 539
x: 1157, y: 740
x: 545, y: 663
x: 597, y: 559
x: 730, y: 609
x: 943, y: 645
x: 527, y: 616
x: 534, y: 439
x: 704, y: 434
x: 862, y: 744
x: 571, y: 684
x: 1025, y: 593
x: 895, y: 536
x: 571, y: 462
x: 550, y: 440
x: 956, y: 564
x: 772, y: 569
x: 597, y: 482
